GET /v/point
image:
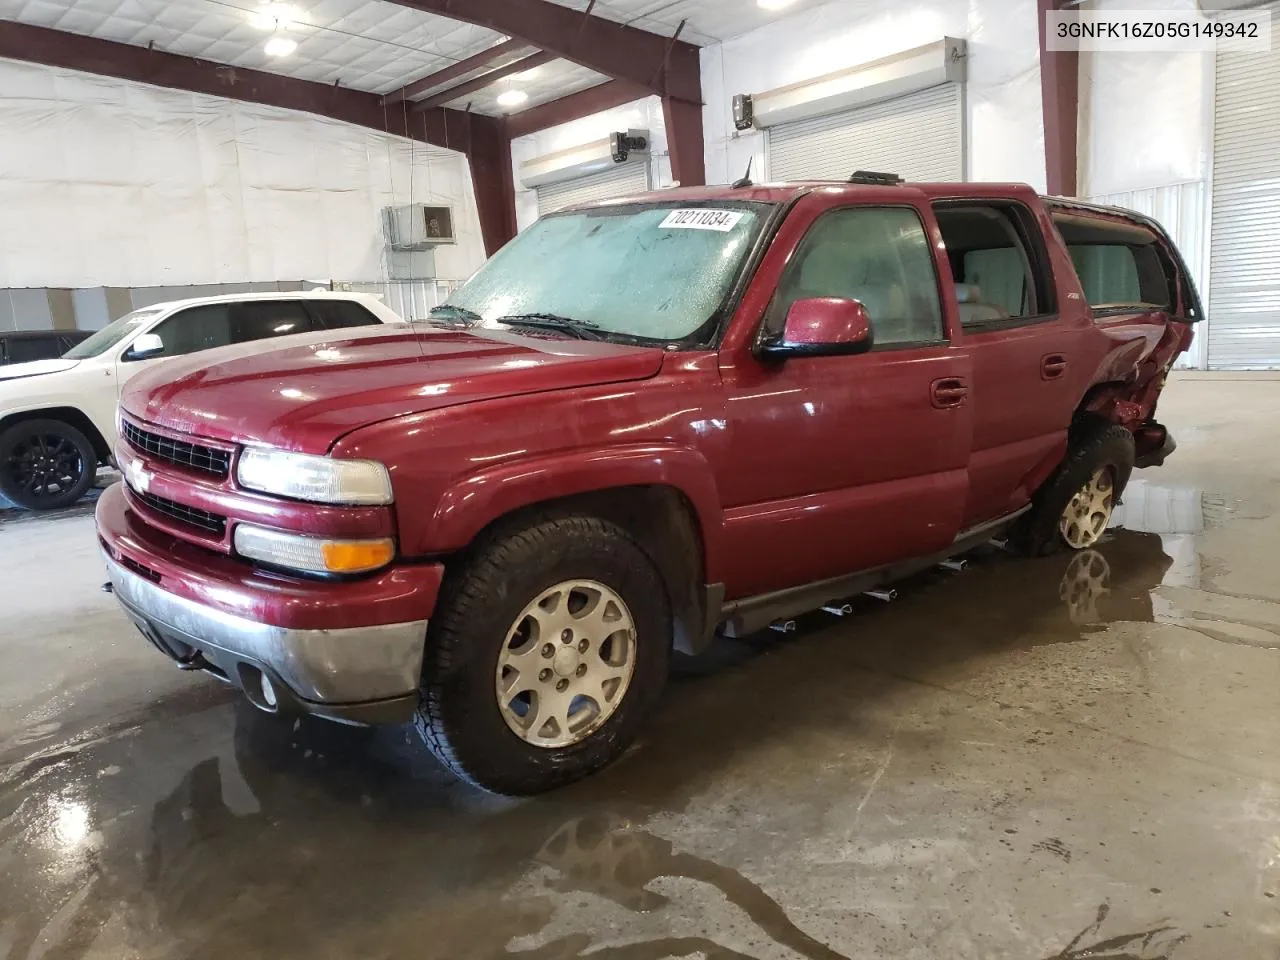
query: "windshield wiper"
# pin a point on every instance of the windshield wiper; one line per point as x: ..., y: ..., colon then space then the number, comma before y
x: 582, y: 329
x: 447, y: 311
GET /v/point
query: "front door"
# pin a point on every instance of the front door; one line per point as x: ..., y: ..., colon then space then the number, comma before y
x: 845, y: 463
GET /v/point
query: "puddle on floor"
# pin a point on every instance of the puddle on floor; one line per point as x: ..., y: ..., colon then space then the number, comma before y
x: 1185, y: 594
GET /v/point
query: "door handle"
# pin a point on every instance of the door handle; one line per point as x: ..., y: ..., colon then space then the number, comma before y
x: 949, y: 392
x: 1053, y: 366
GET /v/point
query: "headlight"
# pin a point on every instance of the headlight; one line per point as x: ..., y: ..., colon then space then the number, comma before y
x: 317, y: 479
x: 312, y: 554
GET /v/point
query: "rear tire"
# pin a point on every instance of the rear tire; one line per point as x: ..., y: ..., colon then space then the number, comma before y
x: 576, y: 588
x: 1098, y: 464
x: 46, y: 464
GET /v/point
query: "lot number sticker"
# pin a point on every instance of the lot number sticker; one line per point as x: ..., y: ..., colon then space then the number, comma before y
x: 721, y: 221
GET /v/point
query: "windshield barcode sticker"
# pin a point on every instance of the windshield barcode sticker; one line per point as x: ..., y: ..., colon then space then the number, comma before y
x: 701, y: 219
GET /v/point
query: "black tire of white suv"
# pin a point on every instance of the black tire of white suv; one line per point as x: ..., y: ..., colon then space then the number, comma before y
x: 45, y: 464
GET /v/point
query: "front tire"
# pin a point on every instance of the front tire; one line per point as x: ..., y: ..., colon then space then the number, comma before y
x: 548, y: 648
x: 45, y: 464
x: 1074, y: 506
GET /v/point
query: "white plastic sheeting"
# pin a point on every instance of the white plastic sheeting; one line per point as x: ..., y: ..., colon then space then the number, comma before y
x: 1006, y: 128
x: 1145, y: 118
x: 111, y: 183
x: 643, y: 114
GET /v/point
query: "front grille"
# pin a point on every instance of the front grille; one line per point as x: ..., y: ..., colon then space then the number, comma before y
x: 194, y: 456
x: 200, y: 519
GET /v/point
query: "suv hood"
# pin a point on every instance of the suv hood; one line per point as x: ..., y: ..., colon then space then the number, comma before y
x: 34, y: 368
x: 305, y: 396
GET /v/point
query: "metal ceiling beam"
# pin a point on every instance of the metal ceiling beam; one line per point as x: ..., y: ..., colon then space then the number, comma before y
x: 454, y: 71
x: 604, y: 96
x: 484, y: 80
x: 57, y: 48
x: 656, y: 63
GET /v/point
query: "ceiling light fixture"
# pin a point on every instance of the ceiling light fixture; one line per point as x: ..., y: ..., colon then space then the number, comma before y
x: 512, y: 98
x: 774, y: 4
x: 275, y: 16
x: 280, y: 46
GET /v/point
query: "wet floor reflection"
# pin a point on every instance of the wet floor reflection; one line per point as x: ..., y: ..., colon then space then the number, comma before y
x: 344, y: 851
x: 339, y: 832
x: 197, y: 829
x: 1190, y: 598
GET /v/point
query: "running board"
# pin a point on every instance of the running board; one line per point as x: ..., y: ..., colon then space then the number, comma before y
x: 740, y: 618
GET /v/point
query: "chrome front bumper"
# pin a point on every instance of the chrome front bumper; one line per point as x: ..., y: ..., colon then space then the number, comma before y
x: 361, y: 675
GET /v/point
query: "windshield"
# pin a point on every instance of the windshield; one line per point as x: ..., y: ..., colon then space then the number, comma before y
x: 110, y: 335
x: 652, y: 272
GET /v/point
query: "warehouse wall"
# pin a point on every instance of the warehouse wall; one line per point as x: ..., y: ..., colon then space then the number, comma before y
x: 644, y: 114
x: 1145, y: 118
x: 1006, y: 127
x: 107, y: 183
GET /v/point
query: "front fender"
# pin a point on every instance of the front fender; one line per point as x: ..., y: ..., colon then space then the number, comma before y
x: 473, y: 502
x: 91, y: 393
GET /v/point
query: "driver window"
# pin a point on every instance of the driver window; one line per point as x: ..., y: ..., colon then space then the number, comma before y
x: 879, y: 256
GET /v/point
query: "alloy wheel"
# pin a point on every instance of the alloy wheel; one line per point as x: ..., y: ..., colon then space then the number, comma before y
x: 1087, y: 514
x: 45, y: 465
x: 566, y: 663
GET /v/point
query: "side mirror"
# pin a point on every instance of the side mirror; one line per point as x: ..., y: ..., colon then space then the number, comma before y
x: 147, y: 345
x: 822, y: 327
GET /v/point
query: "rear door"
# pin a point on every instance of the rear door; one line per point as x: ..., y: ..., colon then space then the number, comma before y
x: 1135, y: 286
x: 1027, y: 349
x: 845, y: 463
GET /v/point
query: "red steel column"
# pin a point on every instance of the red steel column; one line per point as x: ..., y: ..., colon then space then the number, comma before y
x: 489, y: 154
x: 685, y: 141
x: 1060, y: 97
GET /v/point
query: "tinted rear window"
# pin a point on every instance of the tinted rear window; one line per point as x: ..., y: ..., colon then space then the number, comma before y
x: 1119, y: 264
x: 337, y: 314
x: 24, y: 349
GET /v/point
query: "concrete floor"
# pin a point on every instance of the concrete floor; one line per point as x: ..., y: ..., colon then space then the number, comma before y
x: 1067, y: 758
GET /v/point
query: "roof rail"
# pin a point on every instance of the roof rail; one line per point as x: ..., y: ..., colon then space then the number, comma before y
x: 877, y: 179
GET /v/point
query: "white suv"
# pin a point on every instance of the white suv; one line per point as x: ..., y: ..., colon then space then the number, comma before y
x: 57, y: 417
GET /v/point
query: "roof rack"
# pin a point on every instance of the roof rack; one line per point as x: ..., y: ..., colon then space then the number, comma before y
x: 876, y: 179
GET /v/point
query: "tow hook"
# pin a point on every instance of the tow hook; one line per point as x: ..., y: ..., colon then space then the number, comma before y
x: 194, y: 662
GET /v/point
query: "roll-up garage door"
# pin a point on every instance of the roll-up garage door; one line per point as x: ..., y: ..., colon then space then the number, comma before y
x: 619, y: 181
x: 919, y: 136
x: 1244, y: 267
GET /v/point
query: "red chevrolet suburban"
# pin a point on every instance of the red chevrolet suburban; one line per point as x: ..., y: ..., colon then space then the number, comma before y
x: 643, y: 422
